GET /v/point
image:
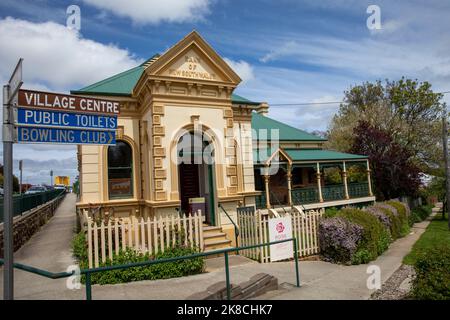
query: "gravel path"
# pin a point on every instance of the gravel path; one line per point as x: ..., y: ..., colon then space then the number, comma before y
x: 398, y: 286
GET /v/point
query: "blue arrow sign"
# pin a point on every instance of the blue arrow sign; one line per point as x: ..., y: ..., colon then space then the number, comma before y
x: 56, y: 119
x: 28, y: 134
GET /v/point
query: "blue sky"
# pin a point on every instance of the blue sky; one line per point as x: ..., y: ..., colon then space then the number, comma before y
x: 286, y: 51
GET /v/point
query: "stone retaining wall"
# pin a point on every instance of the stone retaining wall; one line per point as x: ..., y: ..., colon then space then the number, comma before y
x: 30, y: 222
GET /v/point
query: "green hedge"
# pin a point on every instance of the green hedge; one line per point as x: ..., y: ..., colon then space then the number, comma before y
x: 380, y: 224
x: 375, y: 238
x: 432, y: 280
x: 403, y: 213
x: 153, y: 272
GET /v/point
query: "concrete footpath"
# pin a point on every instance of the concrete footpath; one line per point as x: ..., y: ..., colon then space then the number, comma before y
x: 50, y: 249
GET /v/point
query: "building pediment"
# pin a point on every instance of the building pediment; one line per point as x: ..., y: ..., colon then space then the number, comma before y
x: 193, y: 59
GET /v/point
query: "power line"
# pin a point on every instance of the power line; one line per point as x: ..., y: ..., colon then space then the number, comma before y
x: 318, y: 103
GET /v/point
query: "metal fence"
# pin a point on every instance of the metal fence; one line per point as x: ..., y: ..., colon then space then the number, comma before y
x: 25, y: 202
x: 225, y: 252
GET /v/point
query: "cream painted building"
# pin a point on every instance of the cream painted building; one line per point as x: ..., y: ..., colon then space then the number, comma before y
x: 186, y: 142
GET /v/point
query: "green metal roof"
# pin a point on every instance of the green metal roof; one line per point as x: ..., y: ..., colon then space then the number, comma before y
x: 286, y: 132
x: 260, y: 156
x: 241, y: 100
x: 122, y: 84
x: 318, y: 155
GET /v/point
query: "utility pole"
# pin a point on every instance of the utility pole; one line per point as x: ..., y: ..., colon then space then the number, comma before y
x: 446, y: 161
x: 51, y: 177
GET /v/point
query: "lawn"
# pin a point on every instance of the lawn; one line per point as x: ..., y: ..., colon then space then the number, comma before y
x: 436, y: 235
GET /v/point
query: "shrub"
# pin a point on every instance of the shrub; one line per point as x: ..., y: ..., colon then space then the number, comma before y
x: 395, y: 220
x: 380, y: 215
x: 432, y: 280
x: 79, y: 247
x: 330, y: 212
x: 414, y: 217
x: 403, y: 213
x: 374, y: 234
x: 422, y: 212
x: 159, y: 271
x: 338, y: 239
x: 361, y: 256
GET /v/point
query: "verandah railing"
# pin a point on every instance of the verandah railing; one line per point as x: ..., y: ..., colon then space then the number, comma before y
x: 25, y: 202
x: 309, y: 195
x: 305, y: 195
x: 357, y: 190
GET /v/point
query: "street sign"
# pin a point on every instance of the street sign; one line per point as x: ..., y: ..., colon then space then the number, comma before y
x: 68, y: 120
x: 63, y: 102
x: 30, y: 134
x: 15, y: 82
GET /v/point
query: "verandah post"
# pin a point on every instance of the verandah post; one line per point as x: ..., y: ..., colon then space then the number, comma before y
x: 319, y: 186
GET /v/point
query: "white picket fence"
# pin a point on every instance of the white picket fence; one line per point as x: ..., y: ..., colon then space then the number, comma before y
x: 150, y: 235
x: 254, y: 229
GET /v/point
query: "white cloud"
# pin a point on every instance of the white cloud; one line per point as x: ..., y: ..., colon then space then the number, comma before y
x: 155, y: 11
x: 57, y: 56
x: 55, y: 59
x: 242, y: 68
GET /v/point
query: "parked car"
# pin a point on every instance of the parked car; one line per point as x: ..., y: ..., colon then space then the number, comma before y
x: 60, y: 187
x: 2, y: 193
x: 36, y: 189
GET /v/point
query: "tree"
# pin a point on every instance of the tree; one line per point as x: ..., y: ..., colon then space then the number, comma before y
x: 16, y: 186
x: 407, y: 111
x: 393, y: 171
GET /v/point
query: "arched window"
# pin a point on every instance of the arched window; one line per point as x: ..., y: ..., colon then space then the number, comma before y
x: 120, y: 170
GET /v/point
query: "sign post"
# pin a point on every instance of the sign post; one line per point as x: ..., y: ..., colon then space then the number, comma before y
x: 9, y: 96
x: 43, y: 117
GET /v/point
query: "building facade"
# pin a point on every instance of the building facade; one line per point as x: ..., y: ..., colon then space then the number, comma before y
x: 186, y: 142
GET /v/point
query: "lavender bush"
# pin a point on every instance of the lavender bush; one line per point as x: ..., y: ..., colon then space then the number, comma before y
x: 395, y: 218
x: 380, y: 215
x: 338, y: 239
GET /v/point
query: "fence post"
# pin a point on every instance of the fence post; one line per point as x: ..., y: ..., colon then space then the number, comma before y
x: 297, y: 275
x: 227, y: 276
x: 88, y: 286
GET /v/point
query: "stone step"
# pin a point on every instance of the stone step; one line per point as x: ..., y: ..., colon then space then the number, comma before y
x: 211, y: 228
x: 222, y: 243
x: 211, y: 235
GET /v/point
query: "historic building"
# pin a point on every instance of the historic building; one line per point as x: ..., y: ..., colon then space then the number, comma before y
x: 186, y: 142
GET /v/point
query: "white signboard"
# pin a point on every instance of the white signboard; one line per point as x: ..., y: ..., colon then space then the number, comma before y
x: 280, y: 229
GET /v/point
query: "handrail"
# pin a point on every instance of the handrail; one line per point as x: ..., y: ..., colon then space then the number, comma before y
x: 88, y: 272
x: 236, y: 229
